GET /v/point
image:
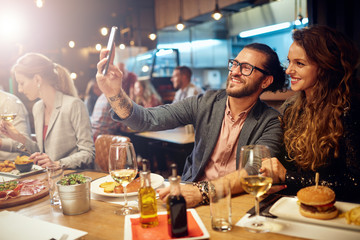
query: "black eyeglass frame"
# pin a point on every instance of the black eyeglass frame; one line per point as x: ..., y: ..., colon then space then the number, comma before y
x: 231, y: 61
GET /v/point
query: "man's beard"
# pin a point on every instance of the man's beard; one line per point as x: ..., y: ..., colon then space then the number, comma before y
x: 245, y: 91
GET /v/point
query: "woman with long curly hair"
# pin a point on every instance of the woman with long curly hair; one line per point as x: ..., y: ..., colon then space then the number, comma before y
x: 62, y: 124
x: 322, y: 121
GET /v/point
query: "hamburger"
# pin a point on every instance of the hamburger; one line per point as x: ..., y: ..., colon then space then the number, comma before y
x: 317, y: 202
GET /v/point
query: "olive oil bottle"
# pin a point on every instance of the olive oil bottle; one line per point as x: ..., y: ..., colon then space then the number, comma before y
x: 176, y: 207
x: 147, y: 199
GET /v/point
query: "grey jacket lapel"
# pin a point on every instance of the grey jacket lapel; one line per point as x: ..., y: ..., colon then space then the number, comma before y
x: 213, y: 134
x: 249, y: 125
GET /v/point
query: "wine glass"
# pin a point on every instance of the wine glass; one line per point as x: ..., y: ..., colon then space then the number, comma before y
x: 256, y: 179
x: 9, y: 109
x: 123, y: 169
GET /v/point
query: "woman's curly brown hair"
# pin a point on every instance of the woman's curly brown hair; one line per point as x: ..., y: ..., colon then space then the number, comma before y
x: 312, y: 128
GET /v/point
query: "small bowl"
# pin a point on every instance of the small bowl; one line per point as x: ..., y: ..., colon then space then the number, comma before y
x: 24, y: 167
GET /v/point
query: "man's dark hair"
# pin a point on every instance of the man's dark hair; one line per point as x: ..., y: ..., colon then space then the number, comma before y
x: 273, y: 66
x: 184, y: 71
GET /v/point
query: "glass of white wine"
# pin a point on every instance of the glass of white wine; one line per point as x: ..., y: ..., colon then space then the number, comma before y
x: 123, y: 169
x: 9, y: 109
x: 256, y: 180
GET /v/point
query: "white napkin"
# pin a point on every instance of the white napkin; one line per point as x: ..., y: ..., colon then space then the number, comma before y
x: 18, y: 227
x: 305, y: 230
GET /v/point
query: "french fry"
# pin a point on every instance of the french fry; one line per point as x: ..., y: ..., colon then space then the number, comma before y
x: 352, y: 216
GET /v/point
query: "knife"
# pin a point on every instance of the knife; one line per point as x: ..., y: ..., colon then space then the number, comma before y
x: 265, y: 206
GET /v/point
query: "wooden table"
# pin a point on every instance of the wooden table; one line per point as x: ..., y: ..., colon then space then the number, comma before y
x: 101, y: 222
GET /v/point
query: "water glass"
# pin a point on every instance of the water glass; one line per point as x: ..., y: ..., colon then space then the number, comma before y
x: 54, y: 173
x: 220, y: 204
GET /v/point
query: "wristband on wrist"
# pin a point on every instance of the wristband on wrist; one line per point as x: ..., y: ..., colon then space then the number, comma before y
x: 203, y: 187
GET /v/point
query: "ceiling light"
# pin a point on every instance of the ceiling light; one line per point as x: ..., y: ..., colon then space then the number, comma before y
x: 104, y: 31
x: 39, y: 3
x: 216, y: 14
x: 98, y: 47
x: 122, y: 46
x: 71, y: 44
x: 180, y: 26
x: 267, y: 29
x: 152, y: 36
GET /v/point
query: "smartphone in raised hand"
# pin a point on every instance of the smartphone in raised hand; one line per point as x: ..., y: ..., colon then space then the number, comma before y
x: 110, y: 47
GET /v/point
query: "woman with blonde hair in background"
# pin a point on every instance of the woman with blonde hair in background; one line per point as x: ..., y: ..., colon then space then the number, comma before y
x: 62, y: 124
x: 145, y: 94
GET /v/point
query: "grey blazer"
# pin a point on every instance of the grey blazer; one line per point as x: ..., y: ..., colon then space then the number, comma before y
x: 68, y: 138
x: 206, y: 113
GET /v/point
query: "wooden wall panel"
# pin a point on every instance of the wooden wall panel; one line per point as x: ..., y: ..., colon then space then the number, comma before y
x: 167, y: 12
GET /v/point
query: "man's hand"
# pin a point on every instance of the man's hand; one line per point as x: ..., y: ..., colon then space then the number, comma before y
x: 191, y: 194
x: 111, y: 83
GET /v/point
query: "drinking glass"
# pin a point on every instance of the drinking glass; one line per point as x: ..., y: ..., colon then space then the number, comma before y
x: 123, y: 169
x: 256, y: 180
x: 9, y: 110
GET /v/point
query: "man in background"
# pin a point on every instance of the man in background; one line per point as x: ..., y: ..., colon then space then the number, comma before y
x: 181, y: 79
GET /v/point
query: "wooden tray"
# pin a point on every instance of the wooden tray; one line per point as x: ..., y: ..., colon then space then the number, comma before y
x: 11, y: 202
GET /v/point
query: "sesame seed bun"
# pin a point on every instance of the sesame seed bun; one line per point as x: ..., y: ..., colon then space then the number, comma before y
x: 313, y: 195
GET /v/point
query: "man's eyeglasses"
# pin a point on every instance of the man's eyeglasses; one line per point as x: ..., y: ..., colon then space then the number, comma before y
x: 245, y: 68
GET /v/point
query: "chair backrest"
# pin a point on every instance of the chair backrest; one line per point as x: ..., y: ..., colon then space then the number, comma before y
x: 102, y: 146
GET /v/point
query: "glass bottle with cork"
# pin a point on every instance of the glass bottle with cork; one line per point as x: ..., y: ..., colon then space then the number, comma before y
x: 176, y: 207
x: 147, y: 199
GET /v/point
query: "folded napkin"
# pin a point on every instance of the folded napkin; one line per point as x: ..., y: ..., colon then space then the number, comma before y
x: 161, y: 231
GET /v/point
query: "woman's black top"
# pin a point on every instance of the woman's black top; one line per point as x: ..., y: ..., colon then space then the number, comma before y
x: 341, y: 174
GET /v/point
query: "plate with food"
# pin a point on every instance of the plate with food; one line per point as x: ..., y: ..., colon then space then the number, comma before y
x: 22, y: 166
x: 106, y: 186
x: 289, y: 208
x: 16, y: 192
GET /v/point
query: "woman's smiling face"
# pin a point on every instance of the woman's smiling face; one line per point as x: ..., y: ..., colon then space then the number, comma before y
x: 303, y: 73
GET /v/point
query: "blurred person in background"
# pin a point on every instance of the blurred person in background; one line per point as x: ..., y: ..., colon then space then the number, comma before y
x: 145, y: 94
x: 10, y: 149
x: 62, y: 124
x: 322, y: 121
x: 92, y: 93
x: 181, y: 79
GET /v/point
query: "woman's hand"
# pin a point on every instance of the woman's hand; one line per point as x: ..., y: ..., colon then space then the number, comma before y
x: 191, y: 194
x: 43, y: 160
x: 111, y: 83
x: 278, y: 171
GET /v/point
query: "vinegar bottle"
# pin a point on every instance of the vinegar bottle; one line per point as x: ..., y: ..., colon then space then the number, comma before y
x: 176, y: 207
x: 147, y: 199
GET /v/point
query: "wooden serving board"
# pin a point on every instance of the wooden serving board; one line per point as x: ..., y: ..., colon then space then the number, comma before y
x: 11, y: 202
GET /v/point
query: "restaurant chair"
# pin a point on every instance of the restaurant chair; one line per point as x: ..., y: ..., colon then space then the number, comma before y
x: 102, y: 146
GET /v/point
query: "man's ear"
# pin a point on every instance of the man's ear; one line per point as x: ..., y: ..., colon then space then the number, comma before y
x: 267, y: 81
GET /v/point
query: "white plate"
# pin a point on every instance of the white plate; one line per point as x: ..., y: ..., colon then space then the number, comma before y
x: 17, y: 174
x: 128, y: 231
x: 156, y: 181
x: 287, y: 208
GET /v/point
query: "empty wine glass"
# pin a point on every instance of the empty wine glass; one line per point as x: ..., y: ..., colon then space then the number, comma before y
x: 123, y: 169
x: 256, y: 180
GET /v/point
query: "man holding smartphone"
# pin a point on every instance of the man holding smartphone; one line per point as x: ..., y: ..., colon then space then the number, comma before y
x: 224, y: 120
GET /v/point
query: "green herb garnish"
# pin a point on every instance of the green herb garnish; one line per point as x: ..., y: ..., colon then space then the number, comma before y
x: 73, y: 179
